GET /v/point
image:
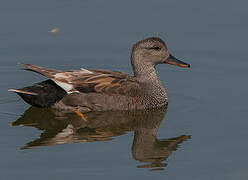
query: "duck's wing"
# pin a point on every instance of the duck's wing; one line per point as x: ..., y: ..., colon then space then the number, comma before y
x: 86, y: 81
x: 108, y: 82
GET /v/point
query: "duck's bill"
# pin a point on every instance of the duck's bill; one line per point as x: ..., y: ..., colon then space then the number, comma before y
x: 174, y: 61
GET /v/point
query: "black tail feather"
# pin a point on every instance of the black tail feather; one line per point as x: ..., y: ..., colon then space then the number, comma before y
x: 43, y: 94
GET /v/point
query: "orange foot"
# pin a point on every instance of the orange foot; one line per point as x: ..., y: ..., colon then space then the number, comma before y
x: 81, y: 115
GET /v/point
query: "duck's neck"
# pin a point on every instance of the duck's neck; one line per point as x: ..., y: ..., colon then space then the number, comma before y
x: 154, y: 91
x: 146, y: 72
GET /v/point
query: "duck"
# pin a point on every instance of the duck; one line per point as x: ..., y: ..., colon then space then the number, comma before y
x: 86, y: 90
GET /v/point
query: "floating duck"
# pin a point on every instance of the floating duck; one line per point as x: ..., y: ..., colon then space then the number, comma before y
x: 87, y: 90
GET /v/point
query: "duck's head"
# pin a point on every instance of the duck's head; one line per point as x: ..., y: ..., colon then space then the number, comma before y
x: 153, y: 51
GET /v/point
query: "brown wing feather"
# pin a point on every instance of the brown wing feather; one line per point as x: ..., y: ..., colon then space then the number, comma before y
x: 43, y: 71
x: 108, y: 82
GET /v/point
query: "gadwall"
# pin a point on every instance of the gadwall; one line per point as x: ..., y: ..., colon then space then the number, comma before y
x: 101, y: 90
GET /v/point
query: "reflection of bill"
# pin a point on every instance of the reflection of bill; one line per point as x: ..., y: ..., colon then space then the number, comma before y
x: 65, y: 127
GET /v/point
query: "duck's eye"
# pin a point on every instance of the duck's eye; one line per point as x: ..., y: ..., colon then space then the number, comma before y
x: 157, y: 48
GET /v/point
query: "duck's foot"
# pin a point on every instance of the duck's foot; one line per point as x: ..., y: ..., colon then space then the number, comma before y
x: 81, y: 115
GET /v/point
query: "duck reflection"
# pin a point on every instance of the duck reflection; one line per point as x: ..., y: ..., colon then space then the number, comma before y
x: 65, y: 127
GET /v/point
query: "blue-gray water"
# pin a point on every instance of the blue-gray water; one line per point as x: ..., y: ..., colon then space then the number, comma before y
x: 207, y: 102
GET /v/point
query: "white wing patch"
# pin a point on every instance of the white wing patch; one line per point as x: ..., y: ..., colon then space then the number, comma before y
x: 85, y: 71
x: 61, y: 75
x: 68, y: 76
x: 67, y: 87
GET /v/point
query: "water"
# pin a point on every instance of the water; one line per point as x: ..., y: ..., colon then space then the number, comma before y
x: 207, y: 112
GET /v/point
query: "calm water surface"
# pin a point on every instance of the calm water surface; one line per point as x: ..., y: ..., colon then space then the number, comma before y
x: 202, y: 134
